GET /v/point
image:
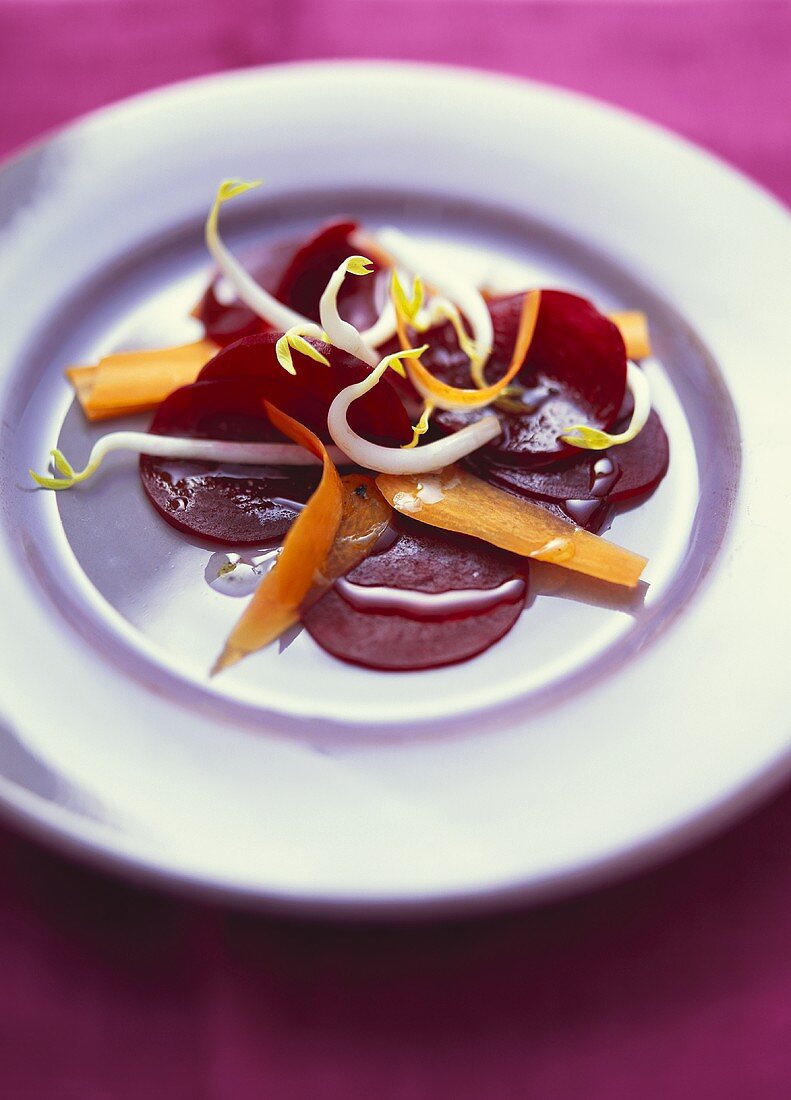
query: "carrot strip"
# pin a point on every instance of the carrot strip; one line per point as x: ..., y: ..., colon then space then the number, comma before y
x: 275, y: 603
x: 633, y: 327
x: 446, y: 396
x: 364, y: 518
x: 455, y: 500
x: 133, y: 381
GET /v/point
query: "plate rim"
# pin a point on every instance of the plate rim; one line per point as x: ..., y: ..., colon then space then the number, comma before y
x: 69, y: 835
x: 472, y: 72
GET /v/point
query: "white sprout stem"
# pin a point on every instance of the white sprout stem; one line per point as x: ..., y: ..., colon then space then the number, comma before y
x: 399, y: 460
x: 641, y: 394
x: 438, y: 309
x: 405, y: 253
x: 208, y: 450
x: 204, y: 450
x: 263, y: 304
x: 441, y: 309
x: 280, y: 316
x: 383, y: 328
x: 340, y: 332
x: 595, y: 440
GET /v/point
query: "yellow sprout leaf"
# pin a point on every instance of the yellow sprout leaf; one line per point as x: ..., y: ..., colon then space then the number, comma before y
x: 359, y: 265
x: 592, y: 439
x: 62, y: 464
x: 300, y: 344
x: 294, y: 338
x: 228, y: 190
x: 408, y: 308
x: 420, y: 428
x: 283, y: 353
x: 589, y: 439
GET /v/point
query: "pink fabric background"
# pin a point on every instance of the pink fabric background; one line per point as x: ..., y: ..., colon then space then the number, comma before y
x: 675, y: 984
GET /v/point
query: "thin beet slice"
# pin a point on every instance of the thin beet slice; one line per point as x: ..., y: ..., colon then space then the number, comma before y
x: 365, y: 621
x: 226, y: 322
x: 378, y: 415
x: 617, y: 474
x: 304, y: 280
x: 242, y: 505
x: 296, y: 273
x: 575, y: 372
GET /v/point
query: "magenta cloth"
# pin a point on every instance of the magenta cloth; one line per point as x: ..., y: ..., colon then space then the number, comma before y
x: 675, y: 984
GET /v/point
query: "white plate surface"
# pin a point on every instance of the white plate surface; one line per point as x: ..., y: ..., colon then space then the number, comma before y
x: 601, y: 733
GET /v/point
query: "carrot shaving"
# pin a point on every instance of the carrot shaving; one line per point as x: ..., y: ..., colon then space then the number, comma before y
x: 275, y: 603
x: 633, y: 327
x: 453, y: 397
x: 455, y: 500
x: 134, y: 381
x: 364, y: 519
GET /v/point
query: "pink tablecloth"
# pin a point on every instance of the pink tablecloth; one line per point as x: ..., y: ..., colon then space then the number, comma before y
x: 677, y: 984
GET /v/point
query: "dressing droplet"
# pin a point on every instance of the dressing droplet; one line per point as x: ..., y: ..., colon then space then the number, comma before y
x: 238, y: 574
x: 606, y: 472
x: 582, y: 511
x: 407, y: 502
x: 556, y: 550
x: 430, y: 491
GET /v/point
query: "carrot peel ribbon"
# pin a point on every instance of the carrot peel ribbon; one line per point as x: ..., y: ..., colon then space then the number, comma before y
x: 365, y: 515
x: 275, y: 603
x: 455, y: 500
x: 444, y: 396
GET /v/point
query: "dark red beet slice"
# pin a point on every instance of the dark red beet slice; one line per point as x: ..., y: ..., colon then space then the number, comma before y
x: 225, y: 323
x: 363, y: 629
x: 246, y: 505
x: 296, y: 272
x: 619, y: 473
x: 379, y: 415
x: 575, y: 372
x: 305, y: 278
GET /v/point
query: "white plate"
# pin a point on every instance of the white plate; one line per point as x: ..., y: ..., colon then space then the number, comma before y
x: 592, y: 739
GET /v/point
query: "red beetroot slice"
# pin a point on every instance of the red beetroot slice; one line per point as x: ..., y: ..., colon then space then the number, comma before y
x: 304, y: 280
x: 296, y: 273
x: 242, y: 505
x: 378, y: 415
x: 616, y: 474
x: 226, y: 322
x: 360, y: 627
x: 575, y: 372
